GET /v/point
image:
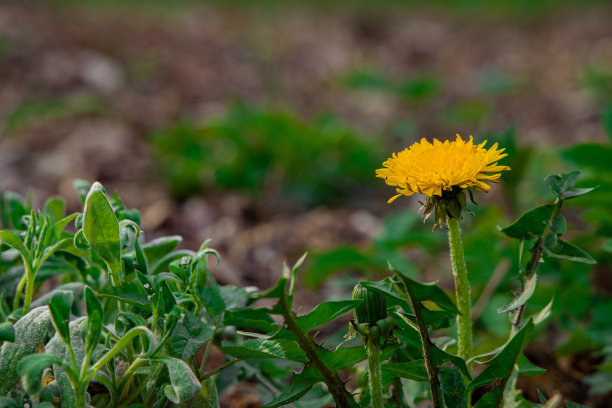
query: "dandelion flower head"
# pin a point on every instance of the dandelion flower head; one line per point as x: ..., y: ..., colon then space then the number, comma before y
x: 432, y: 168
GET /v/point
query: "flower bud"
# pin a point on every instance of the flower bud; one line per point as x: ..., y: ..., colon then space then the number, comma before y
x: 373, y: 306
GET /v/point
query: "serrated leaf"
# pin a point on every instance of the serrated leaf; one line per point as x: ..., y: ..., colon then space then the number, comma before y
x: 31, y: 368
x: 565, y: 250
x: 101, y: 228
x: 530, y: 224
x: 189, y: 335
x: 183, y: 383
x: 325, y: 312
x: 130, y: 292
x: 519, y: 301
x: 255, y: 348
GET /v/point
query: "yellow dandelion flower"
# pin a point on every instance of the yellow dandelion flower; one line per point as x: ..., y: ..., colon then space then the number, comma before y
x: 442, y: 170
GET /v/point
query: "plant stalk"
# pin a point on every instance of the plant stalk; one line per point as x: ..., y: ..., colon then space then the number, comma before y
x: 374, y: 371
x: 462, y: 289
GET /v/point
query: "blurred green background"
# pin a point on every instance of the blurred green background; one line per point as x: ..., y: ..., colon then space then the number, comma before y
x: 260, y: 125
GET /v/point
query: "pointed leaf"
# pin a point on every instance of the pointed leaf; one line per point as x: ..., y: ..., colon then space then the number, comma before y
x: 560, y: 183
x: 530, y: 224
x: 95, y: 319
x: 59, y: 306
x: 256, y: 348
x: 519, y: 301
x: 11, y: 239
x: 501, y: 366
x: 565, y: 250
x: 324, y: 313
x: 101, y: 228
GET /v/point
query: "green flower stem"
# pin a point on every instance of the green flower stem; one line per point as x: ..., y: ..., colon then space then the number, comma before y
x: 374, y: 371
x: 462, y: 289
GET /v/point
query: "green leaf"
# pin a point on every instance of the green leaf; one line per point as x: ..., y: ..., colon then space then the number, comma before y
x: 31, y: 369
x: 520, y: 300
x: 30, y: 332
x: 544, y: 313
x: 131, y: 292
x: 208, y: 397
x: 55, y: 208
x: 453, y: 386
x: 251, y: 317
x: 299, y: 386
x: 559, y: 225
x: 189, y: 335
x: 256, y: 348
x: 526, y: 367
x: 414, y: 370
x: 530, y: 224
x: 183, y: 383
x: 427, y: 291
x: 560, y: 183
x: 158, y: 248
x: 95, y: 319
x: 577, y: 192
x: 565, y: 250
x: 342, y: 357
x: 501, y: 366
x: 59, y: 306
x: 101, y: 229
x: 7, y: 403
x: 7, y: 332
x: 389, y: 288
x: 210, y: 297
x: 11, y: 239
x: 324, y: 313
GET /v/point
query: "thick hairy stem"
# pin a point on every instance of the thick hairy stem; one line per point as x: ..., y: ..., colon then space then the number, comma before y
x: 462, y: 289
x: 336, y: 388
x: 374, y: 371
